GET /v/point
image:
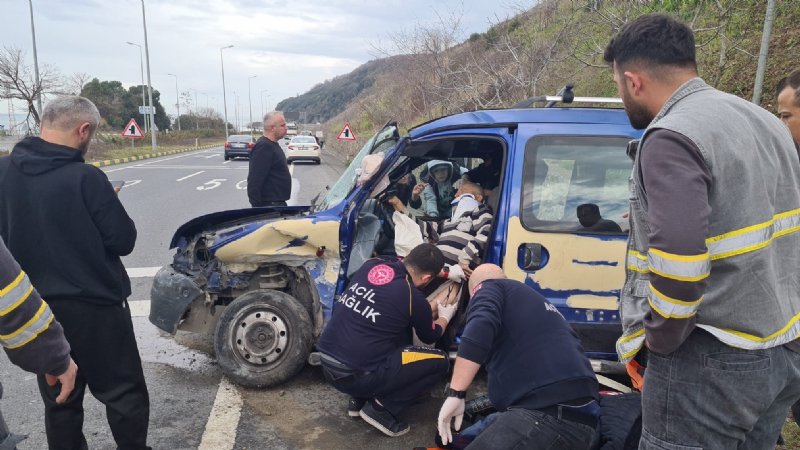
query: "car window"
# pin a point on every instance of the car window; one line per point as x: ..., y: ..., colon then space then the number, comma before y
x: 576, y: 184
x: 240, y: 138
x: 304, y: 140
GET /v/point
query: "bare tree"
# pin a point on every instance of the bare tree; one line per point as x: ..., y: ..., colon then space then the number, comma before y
x: 75, y: 83
x: 17, y: 80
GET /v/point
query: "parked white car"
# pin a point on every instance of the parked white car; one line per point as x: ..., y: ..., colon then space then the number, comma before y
x: 303, y: 148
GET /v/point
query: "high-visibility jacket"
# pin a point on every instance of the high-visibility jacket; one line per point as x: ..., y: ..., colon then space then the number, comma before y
x: 751, y: 267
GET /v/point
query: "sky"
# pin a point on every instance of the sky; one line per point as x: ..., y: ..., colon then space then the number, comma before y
x: 289, y: 46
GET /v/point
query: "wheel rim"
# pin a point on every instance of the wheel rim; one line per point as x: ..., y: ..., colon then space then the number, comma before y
x: 260, y: 336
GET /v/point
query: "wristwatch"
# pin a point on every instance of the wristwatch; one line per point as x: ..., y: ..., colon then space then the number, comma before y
x: 454, y: 393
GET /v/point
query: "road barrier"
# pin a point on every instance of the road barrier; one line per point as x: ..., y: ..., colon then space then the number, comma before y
x: 111, y: 162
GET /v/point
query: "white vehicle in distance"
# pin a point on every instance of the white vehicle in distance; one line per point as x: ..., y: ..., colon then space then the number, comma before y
x: 303, y: 148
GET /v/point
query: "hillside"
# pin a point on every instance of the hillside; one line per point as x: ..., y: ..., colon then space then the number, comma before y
x: 539, y: 51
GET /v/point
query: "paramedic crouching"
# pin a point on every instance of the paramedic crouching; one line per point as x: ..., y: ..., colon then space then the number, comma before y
x: 365, y: 347
x: 540, y: 381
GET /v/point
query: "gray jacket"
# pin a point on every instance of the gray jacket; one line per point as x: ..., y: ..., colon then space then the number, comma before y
x: 750, y: 268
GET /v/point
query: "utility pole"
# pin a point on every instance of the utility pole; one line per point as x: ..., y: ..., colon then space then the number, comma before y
x: 36, y: 65
x: 250, y: 103
x: 141, y: 68
x: 196, y: 116
x: 224, y: 98
x: 153, y: 127
x: 769, y: 18
x: 178, y: 100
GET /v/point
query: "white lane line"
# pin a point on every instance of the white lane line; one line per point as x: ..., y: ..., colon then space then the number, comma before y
x: 139, y: 308
x: 190, y: 176
x: 193, y: 167
x: 142, y: 272
x: 220, y: 432
x: 291, y: 169
x: 227, y: 162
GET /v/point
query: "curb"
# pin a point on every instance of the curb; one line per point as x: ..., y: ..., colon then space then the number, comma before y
x: 111, y: 162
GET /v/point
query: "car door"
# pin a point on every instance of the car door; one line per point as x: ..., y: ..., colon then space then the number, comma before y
x: 559, y: 169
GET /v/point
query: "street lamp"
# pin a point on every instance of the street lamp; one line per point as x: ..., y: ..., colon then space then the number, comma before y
x: 250, y: 103
x: 262, y: 102
x: 196, y: 116
x: 141, y: 67
x: 224, y: 98
x: 149, y: 85
x: 178, y: 99
x: 36, y: 63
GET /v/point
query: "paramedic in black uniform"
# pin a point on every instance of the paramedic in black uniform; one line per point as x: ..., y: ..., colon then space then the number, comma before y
x: 365, y: 347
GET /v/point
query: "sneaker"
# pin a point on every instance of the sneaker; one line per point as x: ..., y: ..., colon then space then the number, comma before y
x: 383, y: 421
x: 354, y: 406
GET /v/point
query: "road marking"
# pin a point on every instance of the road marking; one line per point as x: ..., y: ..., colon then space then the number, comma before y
x: 190, y: 176
x: 227, y: 162
x: 193, y: 167
x: 291, y: 170
x: 142, y: 272
x: 139, y: 308
x: 220, y: 432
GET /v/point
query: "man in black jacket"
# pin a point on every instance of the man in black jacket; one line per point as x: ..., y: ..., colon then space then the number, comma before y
x: 539, y: 378
x: 365, y: 345
x: 66, y: 227
x: 268, y: 180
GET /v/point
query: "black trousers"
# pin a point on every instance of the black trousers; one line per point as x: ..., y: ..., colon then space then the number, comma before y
x: 406, y: 373
x: 104, y: 348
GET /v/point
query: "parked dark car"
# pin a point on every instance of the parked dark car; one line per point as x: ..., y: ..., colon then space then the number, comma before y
x: 239, y: 145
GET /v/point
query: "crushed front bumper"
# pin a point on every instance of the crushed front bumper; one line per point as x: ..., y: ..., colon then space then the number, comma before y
x: 170, y: 297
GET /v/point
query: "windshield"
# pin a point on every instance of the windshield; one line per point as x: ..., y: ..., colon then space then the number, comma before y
x: 304, y: 140
x: 386, y: 138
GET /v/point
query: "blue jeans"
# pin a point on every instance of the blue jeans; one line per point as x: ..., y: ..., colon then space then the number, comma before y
x: 707, y: 395
x: 519, y: 429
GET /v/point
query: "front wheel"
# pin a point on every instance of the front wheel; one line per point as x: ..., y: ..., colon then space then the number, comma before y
x: 263, y: 338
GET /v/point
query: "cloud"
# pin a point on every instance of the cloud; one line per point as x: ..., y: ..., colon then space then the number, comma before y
x: 290, y: 45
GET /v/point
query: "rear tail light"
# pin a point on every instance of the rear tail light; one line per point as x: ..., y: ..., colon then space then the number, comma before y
x: 315, y: 147
x: 227, y: 145
x: 291, y: 147
x: 251, y: 145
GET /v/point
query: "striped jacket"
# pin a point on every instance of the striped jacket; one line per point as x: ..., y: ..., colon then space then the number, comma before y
x: 31, y: 336
x: 462, y: 239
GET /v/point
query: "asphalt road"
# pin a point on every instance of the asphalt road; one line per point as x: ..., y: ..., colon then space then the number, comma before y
x: 193, y: 406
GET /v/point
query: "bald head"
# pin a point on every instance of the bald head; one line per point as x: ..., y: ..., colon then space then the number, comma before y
x: 485, y: 272
x: 470, y: 188
x: 274, y: 125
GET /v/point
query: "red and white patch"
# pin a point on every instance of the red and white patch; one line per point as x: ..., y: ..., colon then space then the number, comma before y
x: 380, y: 275
x: 476, y: 289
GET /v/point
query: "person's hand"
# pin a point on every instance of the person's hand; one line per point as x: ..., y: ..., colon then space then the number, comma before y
x: 465, y: 268
x: 418, y: 189
x: 456, y: 273
x: 396, y: 203
x: 447, y: 311
x: 67, y: 380
x: 452, y: 408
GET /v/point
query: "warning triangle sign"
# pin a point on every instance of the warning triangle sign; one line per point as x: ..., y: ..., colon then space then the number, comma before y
x: 347, y: 134
x: 132, y: 130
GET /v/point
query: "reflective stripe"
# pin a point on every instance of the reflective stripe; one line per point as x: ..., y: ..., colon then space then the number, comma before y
x: 412, y: 357
x: 637, y: 262
x: 28, y: 332
x: 669, y: 307
x: 740, y: 339
x: 679, y: 267
x: 754, y: 237
x: 628, y: 346
x: 15, y: 293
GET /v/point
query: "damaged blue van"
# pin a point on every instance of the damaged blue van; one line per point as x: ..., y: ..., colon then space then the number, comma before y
x: 261, y: 282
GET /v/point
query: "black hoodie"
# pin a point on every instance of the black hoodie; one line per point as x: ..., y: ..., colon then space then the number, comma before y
x: 64, y: 223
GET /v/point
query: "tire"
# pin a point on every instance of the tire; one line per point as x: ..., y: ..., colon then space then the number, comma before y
x: 263, y: 338
x: 227, y: 157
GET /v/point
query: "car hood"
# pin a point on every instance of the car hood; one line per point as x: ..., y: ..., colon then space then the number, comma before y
x: 232, y: 218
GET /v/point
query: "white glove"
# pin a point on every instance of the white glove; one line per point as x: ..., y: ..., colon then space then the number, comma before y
x: 447, y: 311
x: 455, y: 273
x: 452, y: 408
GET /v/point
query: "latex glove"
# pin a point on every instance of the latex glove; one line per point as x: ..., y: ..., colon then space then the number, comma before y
x: 455, y: 273
x: 452, y: 408
x: 447, y: 311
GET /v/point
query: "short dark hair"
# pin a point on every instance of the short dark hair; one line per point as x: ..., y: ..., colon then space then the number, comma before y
x: 793, y: 81
x: 425, y: 259
x: 653, y: 39
x: 590, y: 207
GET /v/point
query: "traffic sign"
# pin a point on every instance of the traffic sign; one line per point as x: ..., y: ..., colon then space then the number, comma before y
x: 147, y: 110
x: 132, y: 130
x: 346, y: 133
